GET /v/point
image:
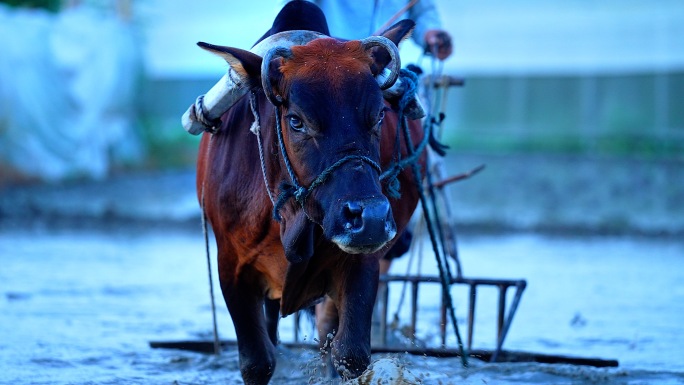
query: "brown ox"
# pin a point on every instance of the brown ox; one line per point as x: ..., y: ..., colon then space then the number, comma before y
x: 333, y: 120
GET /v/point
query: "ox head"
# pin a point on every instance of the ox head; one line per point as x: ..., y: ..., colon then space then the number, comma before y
x: 328, y: 95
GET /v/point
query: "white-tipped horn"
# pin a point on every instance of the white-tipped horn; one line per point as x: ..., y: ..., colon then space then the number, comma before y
x: 265, y: 79
x: 387, y: 77
x: 205, y: 112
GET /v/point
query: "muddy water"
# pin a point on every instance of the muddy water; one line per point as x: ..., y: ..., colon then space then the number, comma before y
x: 80, y: 307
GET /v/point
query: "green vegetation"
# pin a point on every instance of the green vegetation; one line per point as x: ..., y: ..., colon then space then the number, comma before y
x: 611, y: 115
x: 50, y: 5
x: 167, y: 144
x: 611, y: 145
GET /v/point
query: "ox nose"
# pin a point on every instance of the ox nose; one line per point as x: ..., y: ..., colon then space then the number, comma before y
x: 368, y: 222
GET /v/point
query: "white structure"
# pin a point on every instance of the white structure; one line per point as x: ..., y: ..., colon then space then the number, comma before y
x: 67, y: 86
x: 490, y: 38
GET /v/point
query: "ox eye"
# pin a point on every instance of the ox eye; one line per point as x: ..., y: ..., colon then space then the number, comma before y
x: 296, y: 124
x: 378, y: 124
x: 381, y: 116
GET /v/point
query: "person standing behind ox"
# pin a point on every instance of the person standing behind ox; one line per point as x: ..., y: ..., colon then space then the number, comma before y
x: 358, y: 19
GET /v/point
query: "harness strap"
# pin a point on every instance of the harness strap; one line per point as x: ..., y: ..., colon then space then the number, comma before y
x: 391, y: 174
x: 256, y: 129
x: 205, y: 230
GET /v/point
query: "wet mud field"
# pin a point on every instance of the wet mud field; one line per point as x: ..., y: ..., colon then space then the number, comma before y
x: 80, y: 306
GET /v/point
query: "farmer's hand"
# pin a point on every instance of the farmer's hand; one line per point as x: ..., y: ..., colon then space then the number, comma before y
x: 438, y: 43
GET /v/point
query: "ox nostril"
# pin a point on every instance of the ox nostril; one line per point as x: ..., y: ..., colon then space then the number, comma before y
x: 353, y: 214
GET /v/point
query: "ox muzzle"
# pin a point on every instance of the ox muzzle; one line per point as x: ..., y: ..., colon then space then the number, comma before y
x: 364, y: 226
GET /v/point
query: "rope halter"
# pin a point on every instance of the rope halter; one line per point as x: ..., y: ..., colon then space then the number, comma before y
x: 294, y: 188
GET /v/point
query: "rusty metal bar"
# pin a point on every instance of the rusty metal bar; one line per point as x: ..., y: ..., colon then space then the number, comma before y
x: 501, y: 311
x: 414, y: 310
x: 504, y: 319
x: 505, y: 356
x: 456, y: 178
x: 444, y: 80
x: 519, y: 288
x: 459, y: 280
x: 443, y: 320
x: 384, y: 295
x: 472, y: 298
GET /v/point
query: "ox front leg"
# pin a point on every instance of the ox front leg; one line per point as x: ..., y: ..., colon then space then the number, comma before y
x: 356, y: 290
x: 256, y: 351
x: 327, y: 322
x: 272, y: 312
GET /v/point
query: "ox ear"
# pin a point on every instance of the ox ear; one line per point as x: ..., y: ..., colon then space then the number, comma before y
x: 396, y: 33
x: 297, y: 236
x: 246, y: 64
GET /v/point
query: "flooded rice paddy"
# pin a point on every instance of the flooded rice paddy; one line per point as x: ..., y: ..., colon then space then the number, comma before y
x: 79, y: 307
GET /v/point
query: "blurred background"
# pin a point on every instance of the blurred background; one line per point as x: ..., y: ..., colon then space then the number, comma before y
x: 572, y: 104
x: 575, y: 107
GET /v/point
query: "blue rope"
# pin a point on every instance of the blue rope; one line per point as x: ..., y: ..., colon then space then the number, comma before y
x: 287, y: 190
x: 410, y: 81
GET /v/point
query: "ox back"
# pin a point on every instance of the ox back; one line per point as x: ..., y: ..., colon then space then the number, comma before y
x: 327, y: 244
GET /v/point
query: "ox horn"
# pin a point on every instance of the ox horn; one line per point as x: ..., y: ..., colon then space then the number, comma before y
x: 389, y: 75
x: 273, y: 53
x: 231, y: 87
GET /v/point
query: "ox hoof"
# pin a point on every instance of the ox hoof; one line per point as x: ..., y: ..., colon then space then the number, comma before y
x: 386, y: 371
x: 257, y: 372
